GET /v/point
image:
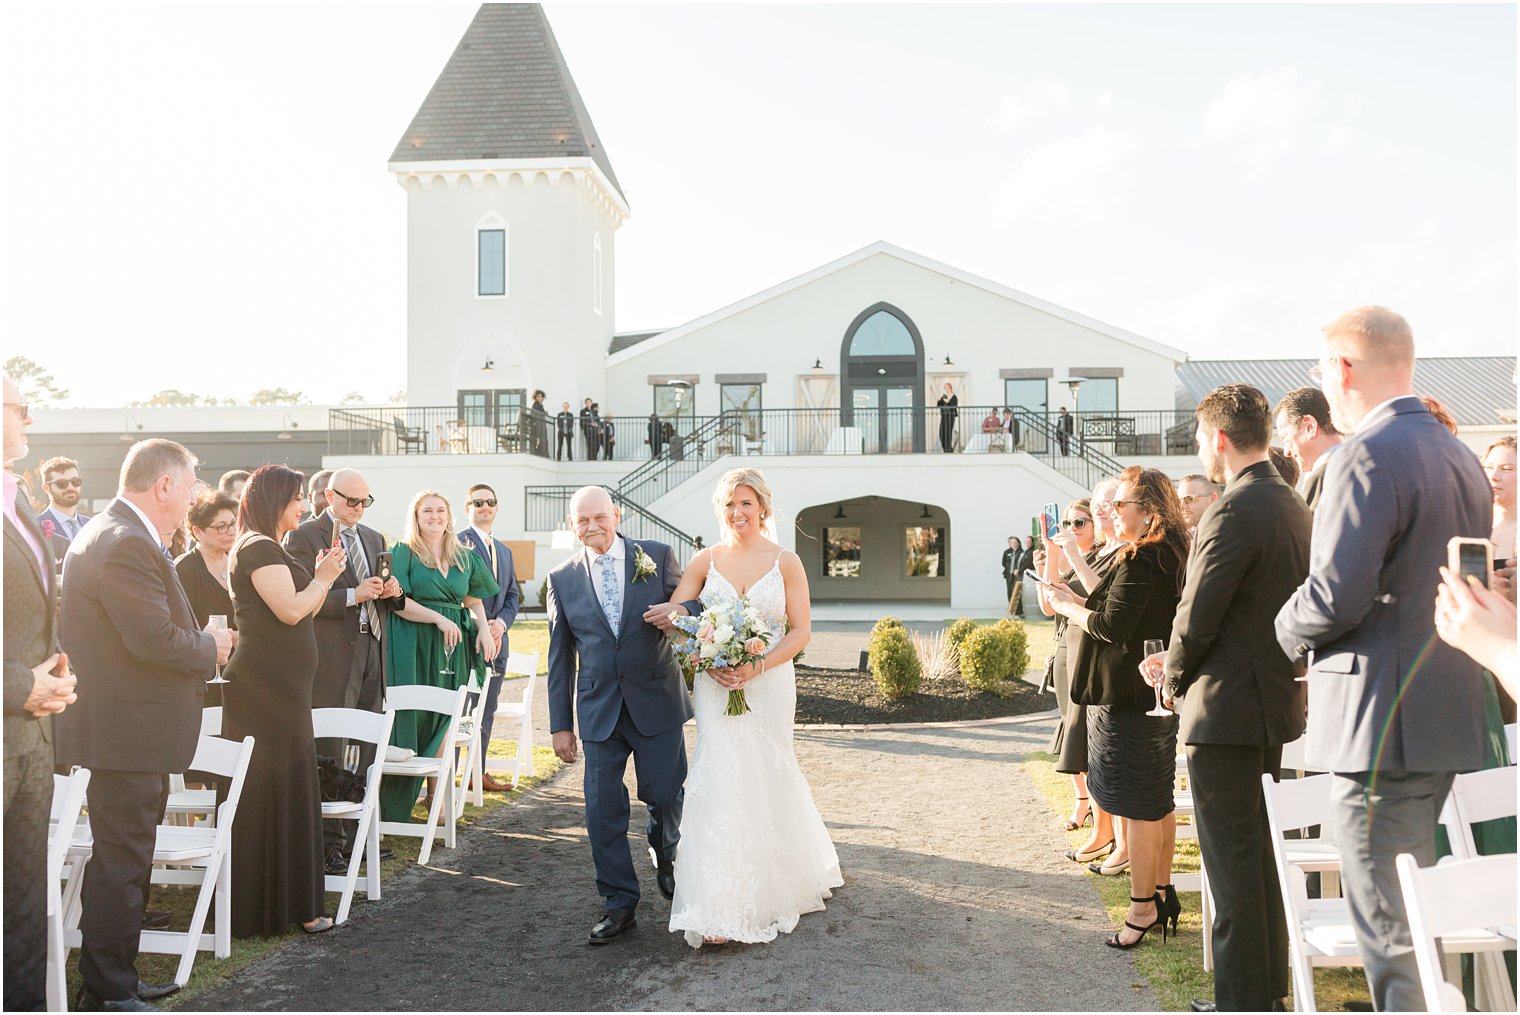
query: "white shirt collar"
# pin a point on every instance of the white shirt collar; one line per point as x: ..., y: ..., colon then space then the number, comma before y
x: 485, y: 537
x: 145, y: 520
x: 618, y: 550
x: 339, y: 526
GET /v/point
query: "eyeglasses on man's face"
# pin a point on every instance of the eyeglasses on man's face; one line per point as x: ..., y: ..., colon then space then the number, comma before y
x: 483, y: 502
x: 22, y: 409
x: 1074, y: 523
x: 352, y: 502
x: 1317, y: 371
x: 64, y: 484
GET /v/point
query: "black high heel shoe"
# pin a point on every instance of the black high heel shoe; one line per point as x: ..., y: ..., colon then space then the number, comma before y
x: 1171, y: 905
x: 1113, y: 939
x: 1072, y: 826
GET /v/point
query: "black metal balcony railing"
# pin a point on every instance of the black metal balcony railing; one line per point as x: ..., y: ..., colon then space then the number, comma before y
x: 433, y: 430
x: 548, y: 507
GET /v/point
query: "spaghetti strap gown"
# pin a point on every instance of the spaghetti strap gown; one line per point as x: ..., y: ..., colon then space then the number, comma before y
x: 277, y: 873
x: 417, y: 657
x: 754, y: 854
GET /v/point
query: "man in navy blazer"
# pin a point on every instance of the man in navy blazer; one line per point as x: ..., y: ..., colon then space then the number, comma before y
x: 1394, y: 712
x: 629, y: 697
x: 501, y: 609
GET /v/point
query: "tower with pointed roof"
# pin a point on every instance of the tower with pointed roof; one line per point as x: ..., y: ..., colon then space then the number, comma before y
x: 512, y: 206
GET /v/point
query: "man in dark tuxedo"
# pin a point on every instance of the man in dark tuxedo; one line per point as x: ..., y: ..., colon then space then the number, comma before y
x: 590, y: 423
x: 564, y: 433
x: 350, y: 626
x: 1011, y: 558
x: 598, y: 636
x: 1065, y: 427
x: 1304, y: 427
x: 1394, y: 712
x: 1239, y: 700
x: 62, y: 520
x: 36, y: 688
x: 501, y: 609
x: 142, y: 663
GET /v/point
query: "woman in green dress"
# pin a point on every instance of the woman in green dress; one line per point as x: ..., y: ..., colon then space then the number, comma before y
x: 442, y: 627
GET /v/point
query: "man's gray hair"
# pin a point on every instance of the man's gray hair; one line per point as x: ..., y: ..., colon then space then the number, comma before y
x: 148, y: 460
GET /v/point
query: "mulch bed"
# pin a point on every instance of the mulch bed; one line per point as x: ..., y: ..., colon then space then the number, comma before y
x: 850, y: 697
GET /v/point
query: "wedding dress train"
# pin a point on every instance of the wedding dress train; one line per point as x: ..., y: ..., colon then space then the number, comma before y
x: 754, y: 854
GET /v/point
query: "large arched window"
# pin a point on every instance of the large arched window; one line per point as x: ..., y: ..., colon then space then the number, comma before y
x: 882, y: 380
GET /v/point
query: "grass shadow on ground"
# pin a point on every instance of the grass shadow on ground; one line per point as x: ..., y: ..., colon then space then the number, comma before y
x: 1175, y: 970
x: 209, y: 970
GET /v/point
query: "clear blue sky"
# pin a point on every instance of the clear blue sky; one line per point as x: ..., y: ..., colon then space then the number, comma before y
x: 191, y: 182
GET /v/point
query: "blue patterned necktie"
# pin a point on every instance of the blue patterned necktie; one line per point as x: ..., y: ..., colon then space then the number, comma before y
x: 609, y: 591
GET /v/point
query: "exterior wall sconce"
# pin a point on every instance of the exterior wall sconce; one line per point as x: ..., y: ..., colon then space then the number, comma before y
x: 926, y: 513
x: 126, y: 428
x: 818, y: 366
x: 838, y: 511
x: 948, y: 361
x: 286, y: 425
x: 489, y: 367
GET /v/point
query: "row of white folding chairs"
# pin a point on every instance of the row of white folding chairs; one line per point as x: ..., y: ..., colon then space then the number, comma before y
x: 473, y: 763
x: 1319, y: 930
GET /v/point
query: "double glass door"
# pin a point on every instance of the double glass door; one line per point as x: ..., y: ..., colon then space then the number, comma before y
x: 887, y: 420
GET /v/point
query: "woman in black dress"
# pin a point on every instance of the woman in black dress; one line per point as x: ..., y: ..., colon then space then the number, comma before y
x: 1131, y: 755
x: 203, y: 570
x: 948, y: 414
x: 277, y: 868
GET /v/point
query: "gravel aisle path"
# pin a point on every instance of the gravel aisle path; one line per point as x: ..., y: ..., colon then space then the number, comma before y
x: 955, y: 897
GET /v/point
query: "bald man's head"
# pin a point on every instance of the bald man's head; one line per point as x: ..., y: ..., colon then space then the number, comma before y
x: 594, y: 517
x: 347, y: 493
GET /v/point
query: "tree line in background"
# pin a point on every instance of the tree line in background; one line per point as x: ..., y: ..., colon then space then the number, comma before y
x: 38, y: 386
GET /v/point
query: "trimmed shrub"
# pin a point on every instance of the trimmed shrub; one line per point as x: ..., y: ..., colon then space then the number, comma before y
x: 1018, y: 646
x: 893, y: 661
x: 886, y: 622
x: 985, y: 659
x: 955, y: 635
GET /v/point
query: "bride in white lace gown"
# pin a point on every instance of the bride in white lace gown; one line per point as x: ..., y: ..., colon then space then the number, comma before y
x: 754, y: 854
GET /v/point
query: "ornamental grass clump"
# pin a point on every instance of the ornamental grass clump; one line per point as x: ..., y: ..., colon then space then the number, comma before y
x: 935, y: 656
x: 893, y: 661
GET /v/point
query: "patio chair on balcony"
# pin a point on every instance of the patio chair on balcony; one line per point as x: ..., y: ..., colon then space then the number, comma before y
x: 409, y: 437
x: 510, y: 438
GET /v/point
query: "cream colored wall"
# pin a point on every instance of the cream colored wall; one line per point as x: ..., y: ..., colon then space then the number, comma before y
x: 981, y: 331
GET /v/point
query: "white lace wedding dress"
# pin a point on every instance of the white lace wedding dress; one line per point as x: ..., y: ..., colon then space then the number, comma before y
x: 754, y: 854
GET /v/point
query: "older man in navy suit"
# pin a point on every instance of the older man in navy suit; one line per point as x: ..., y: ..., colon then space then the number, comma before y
x: 501, y: 609
x: 1394, y: 712
x: 628, y: 695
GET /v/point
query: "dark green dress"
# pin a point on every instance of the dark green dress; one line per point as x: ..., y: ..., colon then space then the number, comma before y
x: 417, y: 656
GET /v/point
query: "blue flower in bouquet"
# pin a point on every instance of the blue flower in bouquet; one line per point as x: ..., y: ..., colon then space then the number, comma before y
x: 730, y: 632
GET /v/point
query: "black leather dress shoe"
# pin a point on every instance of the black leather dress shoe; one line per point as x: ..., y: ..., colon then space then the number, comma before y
x: 154, y: 991
x: 385, y: 854
x: 611, y: 926
x: 155, y: 919
x: 334, y: 863
x: 87, y: 1001
x: 1204, y: 1006
x: 665, y: 877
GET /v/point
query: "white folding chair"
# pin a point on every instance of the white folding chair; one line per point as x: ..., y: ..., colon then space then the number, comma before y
x: 195, y: 856
x: 450, y: 704
x: 1319, y: 930
x: 356, y: 724
x: 1466, y: 905
x: 68, y: 801
x: 1486, y: 795
x: 187, y: 806
x: 1509, y: 738
x: 467, y: 741
x: 1185, y: 808
x: 518, y: 663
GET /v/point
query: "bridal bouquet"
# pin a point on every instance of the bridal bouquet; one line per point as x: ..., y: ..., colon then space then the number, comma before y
x: 728, y: 633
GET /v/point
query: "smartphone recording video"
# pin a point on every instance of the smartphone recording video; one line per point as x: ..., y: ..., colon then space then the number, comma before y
x: 1472, y: 558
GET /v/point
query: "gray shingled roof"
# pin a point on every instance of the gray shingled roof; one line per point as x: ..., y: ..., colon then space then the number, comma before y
x: 506, y: 93
x: 1474, y: 389
x: 628, y: 339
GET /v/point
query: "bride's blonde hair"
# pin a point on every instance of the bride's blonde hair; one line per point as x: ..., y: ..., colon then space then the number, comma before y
x: 752, y: 478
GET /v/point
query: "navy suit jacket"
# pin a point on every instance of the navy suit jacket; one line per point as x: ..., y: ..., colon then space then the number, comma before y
x: 504, y: 605
x: 1385, y: 693
x: 635, y: 668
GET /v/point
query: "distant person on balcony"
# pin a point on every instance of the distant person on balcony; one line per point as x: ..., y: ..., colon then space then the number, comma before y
x: 1196, y: 494
x: 1303, y: 427
x: 1011, y: 427
x: 564, y: 430
x: 232, y: 483
x: 537, y: 418
x: 609, y: 435
x: 993, y: 423
x: 589, y: 422
x: 1011, y: 558
x: 316, y: 491
x: 1066, y: 425
x: 656, y: 438
x: 948, y: 413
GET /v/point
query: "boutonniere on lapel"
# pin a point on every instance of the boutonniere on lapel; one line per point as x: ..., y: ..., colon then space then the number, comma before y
x: 48, y: 531
x: 643, y: 566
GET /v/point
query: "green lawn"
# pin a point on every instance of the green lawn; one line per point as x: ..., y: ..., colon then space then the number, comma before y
x: 531, y: 636
x: 209, y: 970
x: 1175, y: 970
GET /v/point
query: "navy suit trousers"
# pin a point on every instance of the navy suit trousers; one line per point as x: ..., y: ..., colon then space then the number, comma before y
x: 660, y: 770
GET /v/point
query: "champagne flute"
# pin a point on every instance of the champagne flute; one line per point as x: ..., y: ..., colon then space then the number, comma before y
x: 217, y: 622
x: 448, y: 660
x: 1153, y: 646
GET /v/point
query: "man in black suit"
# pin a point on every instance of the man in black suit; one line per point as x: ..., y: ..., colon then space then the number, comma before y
x: 590, y: 423
x: 1305, y: 429
x: 501, y: 609
x: 350, y: 626
x: 1239, y: 700
x: 1011, y: 558
x: 36, y: 688
x: 1065, y: 427
x: 143, y: 664
x: 564, y: 433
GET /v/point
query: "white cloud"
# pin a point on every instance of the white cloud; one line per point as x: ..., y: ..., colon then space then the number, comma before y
x: 1261, y: 115
x: 1103, y: 101
x: 1035, y: 99
x: 1070, y: 180
x: 1215, y: 321
x: 1338, y: 140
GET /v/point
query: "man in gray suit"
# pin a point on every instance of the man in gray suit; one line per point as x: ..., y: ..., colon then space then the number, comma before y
x: 1239, y: 701
x: 1394, y: 712
x: 628, y: 695
x: 36, y: 688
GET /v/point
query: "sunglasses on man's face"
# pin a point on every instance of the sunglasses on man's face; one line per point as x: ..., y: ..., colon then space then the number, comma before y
x: 64, y: 484
x: 1189, y: 498
x: 488, y: 502
x: 1074, y: 523
x: 352, y: 502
